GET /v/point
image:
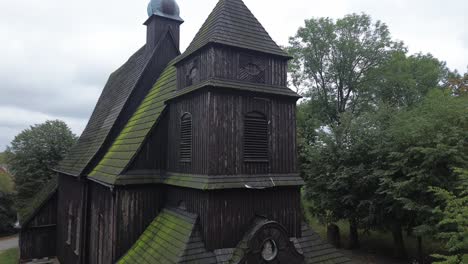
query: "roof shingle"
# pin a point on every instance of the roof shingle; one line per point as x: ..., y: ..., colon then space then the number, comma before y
x: 232, y: 23
x: 116, y: 92
x: 136, y: 130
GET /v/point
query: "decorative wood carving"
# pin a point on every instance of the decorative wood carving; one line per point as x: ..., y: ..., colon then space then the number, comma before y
x: 192, y: 73
x: 251, y: 68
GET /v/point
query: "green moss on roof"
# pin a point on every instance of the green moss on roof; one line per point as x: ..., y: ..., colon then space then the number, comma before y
x: 232, y: 23
x: 36, y: 203
x: 136, y: 130
x: 164, y: 241
x: 115, y: 94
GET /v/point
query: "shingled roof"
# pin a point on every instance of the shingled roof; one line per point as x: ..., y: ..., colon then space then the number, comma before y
x: 173, y: 237
x: 136, y: 130
x: 116, y: 92
x: 232, y: 23
x: 38, y: 201
x: 170, y: 238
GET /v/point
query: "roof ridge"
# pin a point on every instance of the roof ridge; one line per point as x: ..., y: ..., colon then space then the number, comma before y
x: 226, y: 16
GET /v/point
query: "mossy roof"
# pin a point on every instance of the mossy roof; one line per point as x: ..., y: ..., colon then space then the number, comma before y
x: 116, y: 93
x: 170, y: 238
x: 232, y: 23
x: 38, y: 201
x: 174, y: 237
x: 318, y: 251
x: 131, y: 138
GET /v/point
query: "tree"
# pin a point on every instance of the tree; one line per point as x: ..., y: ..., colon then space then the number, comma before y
x: 7, y: 212
x: 34, y: 153
x: 421, y: 147
x: 403, y: 81
x: 453, y: 226
x: 333, y: 61
x: 458, y: 83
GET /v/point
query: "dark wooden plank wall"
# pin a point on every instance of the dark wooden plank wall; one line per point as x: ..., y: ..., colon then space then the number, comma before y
x: 226, y: 215
x: 227, y: 112
x: 223, y: 62
x: 226, y: 65
x: 100, y: 224
x: 137, y: 207
x: 197, y: 105
x: 37, y: 238
x: 37, y: 242
x: 153, y: 154
x: 70, y: 195
x: 203, y: 60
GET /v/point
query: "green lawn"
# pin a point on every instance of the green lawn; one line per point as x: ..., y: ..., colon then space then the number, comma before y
x: 9, y: 256
x: 375, y: 242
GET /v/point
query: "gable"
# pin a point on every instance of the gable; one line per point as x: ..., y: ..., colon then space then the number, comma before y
x: 37, y: 202
x: 136, y: 130
x: 232, y: 23
x: 171, y: 238
x: 116, y: 92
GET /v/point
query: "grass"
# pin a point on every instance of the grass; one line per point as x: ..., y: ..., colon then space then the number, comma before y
x: 375, y: 242
x: 9, y: 256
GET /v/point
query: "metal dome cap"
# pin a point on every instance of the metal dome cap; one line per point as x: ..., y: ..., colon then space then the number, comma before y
x: 166, y: 8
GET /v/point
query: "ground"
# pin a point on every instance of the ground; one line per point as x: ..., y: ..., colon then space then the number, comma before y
x: 376, y: 247
x: 9, y: 256
x: 9, y: 250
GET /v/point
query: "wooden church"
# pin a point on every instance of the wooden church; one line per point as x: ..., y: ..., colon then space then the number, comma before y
x: 187, y: 158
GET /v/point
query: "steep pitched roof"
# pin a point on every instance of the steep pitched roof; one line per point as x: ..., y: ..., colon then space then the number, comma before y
x: 170, y: 238
x: 231, y: 23
x: 136, y: 130
x: 38, y: 201
x: 116, y: 92
x: 316, y: 250
x: 173, y: 237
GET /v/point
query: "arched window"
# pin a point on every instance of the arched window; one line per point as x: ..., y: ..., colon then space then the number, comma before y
x: 255, y: 137
x: 186, y: 138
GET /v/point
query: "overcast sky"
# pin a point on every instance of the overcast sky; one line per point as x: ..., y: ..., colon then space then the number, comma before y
x: 55, y: 56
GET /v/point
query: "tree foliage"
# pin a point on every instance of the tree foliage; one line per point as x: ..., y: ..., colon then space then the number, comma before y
x: 377, y: 127
x: 34, y: 153
x: 453, y: 226
x: 333, y: 60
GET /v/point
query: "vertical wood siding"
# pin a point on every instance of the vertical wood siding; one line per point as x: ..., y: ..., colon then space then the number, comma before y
x: 137, y: 207
x: 223, y: 62
x: 100, y: 225
x: 197, y: 105
x: 69, y: 196
x: 153, y: 154
x: 226, y: 215
x: 203, y: 60
x: 227, y: 111
x: 37, y: 238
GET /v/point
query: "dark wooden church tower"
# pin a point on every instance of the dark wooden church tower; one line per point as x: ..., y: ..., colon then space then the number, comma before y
x: 187, y: 158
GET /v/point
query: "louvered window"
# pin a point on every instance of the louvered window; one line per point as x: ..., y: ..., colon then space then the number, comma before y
x: 255, y: 137
x: 186, y: 138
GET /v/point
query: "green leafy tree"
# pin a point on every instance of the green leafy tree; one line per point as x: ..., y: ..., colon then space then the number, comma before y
x: 403, y: 81
x: 421, y: 147
x: 33, y: 153
x: 7, y: 212
x: 333, y: 61
x: 457, y: 83
x: 453, y: 226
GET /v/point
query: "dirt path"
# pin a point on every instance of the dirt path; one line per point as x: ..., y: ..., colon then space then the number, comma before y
x: 8, y: 242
